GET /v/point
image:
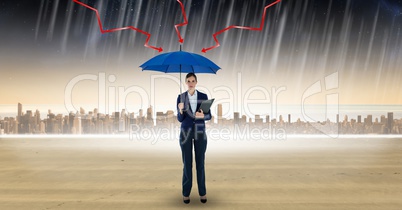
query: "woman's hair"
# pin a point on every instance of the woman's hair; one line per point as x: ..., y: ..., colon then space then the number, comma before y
x: 191, y: 75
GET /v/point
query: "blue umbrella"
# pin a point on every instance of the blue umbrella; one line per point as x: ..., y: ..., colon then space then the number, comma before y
x: 180, y: 61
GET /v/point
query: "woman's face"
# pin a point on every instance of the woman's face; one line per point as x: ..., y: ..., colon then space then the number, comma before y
x: 191, y: 82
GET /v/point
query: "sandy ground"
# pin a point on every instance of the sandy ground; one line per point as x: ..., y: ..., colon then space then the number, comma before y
x: 122, y: 174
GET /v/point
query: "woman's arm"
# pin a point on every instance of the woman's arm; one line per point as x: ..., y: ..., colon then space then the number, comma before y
x: 180, y: 116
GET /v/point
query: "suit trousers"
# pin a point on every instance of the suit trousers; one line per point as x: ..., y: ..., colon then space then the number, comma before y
x: 198, y: 138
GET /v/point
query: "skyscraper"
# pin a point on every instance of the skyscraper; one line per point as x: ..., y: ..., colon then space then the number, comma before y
x: 257, y: 119
x: 116, y: 121
x: 390, y: 123
x: 170, y: 116
x: 123, y: 121
x: 149, y: 113
x: 141, y: 117
x: 50, y: 121
x: 236, y: 116
x: 243, y: 119
x: 66, y: 125
x: 37, y: 116
x: 369, y: 119
x: 219, y: 113
x: 15, y: 127
x: 70, y: 122
x: 19, y: 111
x: 383, y: 119
x: 77, y: 128
x: 160, y: 118
x: 6, y: 127
x: 82, y: 111
x: 29, y: 113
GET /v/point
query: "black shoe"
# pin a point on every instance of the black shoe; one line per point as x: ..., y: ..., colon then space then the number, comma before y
x: 203, y: 200
x: 186, y: 201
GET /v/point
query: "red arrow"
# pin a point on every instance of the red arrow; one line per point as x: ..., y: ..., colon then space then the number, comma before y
x: 204, y: 50
x: 181, y: 40
x: 119, y: 29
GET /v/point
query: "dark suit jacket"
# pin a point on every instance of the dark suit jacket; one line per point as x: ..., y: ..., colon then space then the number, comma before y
x: 187, y: 119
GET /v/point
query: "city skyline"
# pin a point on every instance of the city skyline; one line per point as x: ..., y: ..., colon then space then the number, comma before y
x: 355, y: 110
x: 93, y: 122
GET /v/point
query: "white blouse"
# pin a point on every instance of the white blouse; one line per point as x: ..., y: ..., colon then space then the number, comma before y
x: 193, y: 101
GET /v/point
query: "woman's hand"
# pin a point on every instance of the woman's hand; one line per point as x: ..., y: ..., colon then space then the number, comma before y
x: 199, y: 114
x: 181, y: 107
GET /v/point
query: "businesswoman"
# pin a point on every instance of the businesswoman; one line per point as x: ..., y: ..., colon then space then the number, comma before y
x: 192, y: 132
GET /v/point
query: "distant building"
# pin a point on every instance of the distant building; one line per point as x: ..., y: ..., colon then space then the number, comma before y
x: 150, y: 113
x: 370, y: 120
x: 236, y: 117
x: 390, y: 123
x: 77, y: 128
x: 383, y: 120
x: 116, y: 120
x: 19, y: 111
x: 82, y: 111
x: 141, y: 113
x: 219, y: 113
x: 160, y: 118
x: 170, y: 118
x: 70, y: 122
x: 243, y: 119
x: 257, y: 120
x: 15, y: 127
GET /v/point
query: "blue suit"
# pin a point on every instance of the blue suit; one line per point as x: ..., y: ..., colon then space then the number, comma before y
x: 192, y: 132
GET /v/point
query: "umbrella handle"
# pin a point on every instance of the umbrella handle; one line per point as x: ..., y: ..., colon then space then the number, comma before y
x: 181, y: 96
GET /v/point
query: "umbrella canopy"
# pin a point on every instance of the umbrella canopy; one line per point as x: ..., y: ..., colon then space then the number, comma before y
x: 180, y: 61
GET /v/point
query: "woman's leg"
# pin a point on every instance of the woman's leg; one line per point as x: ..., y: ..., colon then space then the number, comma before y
x: 186, y: 145
x: 200, y: 147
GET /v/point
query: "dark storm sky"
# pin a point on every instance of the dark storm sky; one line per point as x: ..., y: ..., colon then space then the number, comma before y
x: 302, y: 40
x: 61, y: 25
